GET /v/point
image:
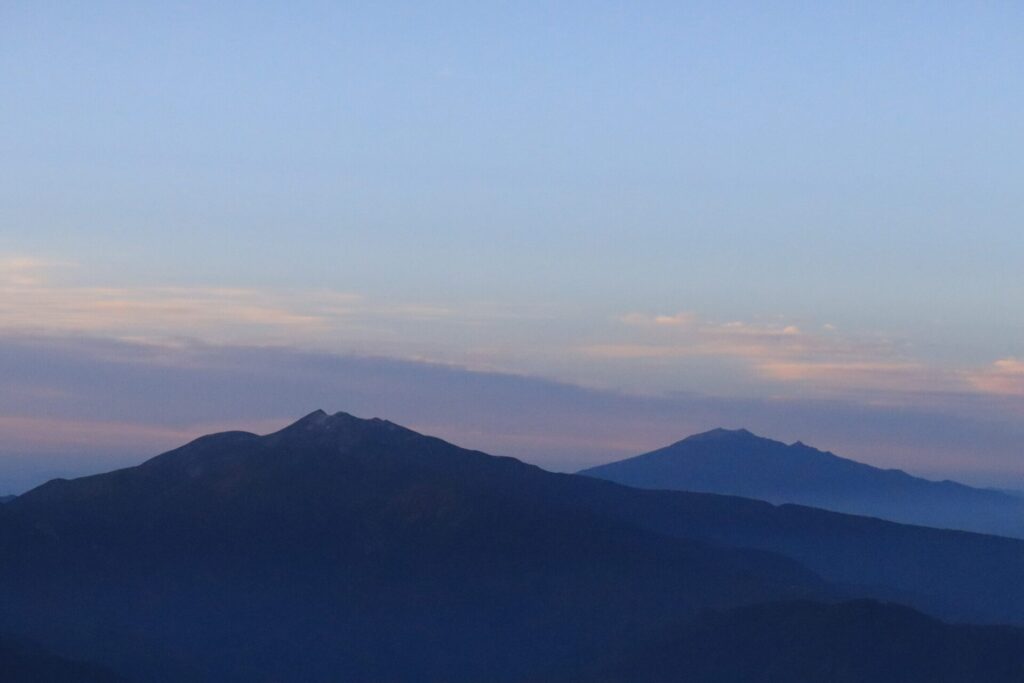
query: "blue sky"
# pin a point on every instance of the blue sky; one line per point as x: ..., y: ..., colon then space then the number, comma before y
x: 815, y: 203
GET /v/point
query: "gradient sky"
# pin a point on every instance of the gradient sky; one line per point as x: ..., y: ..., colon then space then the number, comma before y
x: 574, y: 230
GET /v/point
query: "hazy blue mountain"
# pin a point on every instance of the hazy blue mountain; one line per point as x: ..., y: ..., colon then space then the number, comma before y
x: 740, y: 463
x: 358, y: 550
x: 6, y: 499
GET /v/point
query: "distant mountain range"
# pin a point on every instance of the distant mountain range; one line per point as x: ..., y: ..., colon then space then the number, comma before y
x: 358, y: 550
x: 736, y: 462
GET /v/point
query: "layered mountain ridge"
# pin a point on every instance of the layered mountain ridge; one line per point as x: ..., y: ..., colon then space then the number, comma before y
x: 737, y: 462
x: 358, y: 549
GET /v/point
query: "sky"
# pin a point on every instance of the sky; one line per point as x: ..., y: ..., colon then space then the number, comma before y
x: 568, y: 232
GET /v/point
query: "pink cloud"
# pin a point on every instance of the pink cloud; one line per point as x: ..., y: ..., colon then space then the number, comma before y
x: 1005, y: 377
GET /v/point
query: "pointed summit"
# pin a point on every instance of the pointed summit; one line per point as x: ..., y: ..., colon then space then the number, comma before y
x: 316, y: 418
x: 722, y: 434
x: 322, y: 422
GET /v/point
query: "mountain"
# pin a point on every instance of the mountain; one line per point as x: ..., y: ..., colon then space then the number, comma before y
x: 742, y: 464
x: 348, y: 549
x: 6, y: 499
x: 23, y: 662
x: 803, y: 641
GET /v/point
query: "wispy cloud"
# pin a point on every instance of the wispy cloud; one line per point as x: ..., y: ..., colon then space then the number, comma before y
x: 23, y: 271
x: 42, y: 297
x: 685, y: 334
x: 878, y: 375
x: 819, y: 358
x: 31, y: 299
x: 673, y: 320
x: 1004, y: 377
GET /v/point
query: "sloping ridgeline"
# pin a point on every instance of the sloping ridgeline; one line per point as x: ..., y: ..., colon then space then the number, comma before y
x: 25, y: 662
x: 348, y: 549
x: 804, y: 641
x: 736, y: 462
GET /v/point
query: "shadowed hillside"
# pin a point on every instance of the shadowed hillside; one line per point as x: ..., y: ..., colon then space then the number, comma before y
x: 361, y: 550
x: 22, y: 662
x: 809, y: 642
x: 352, y: 548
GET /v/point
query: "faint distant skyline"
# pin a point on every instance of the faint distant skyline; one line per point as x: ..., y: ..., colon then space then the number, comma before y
x: 800, y: 219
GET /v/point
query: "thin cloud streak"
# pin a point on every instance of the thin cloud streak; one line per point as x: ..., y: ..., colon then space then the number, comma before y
x: 40, y: 297
x: 1005, y: 378
x: 824, y: 361
x: 31, y: 301
x: 767, y: 357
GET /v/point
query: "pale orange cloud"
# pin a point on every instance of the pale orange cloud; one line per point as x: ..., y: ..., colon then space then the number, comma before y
x: 35, y: 297
x: 784, y: 352
x: 22, y: 271
x: 673, y: 320
x: 879, y: 375
x: 751, y: 341
x: 1005, y: 377
x: 820, y: 358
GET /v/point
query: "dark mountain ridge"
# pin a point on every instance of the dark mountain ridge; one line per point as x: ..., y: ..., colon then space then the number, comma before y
x: 361, y: 550
x: 24, y: 662
x: 351, y: 548
x: 853, y: 641
x: 737, y: 462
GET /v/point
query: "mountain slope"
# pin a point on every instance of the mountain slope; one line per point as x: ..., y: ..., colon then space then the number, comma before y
x: 854, y: 641
x: 350, y: 548
x: 742, y: 464
x: 22, y: 662
x: 341, y: 548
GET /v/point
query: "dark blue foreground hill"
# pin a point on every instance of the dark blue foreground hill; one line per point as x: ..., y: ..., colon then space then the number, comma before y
x: 24, y: 662
x: 736, y: 462
x: 807, y: 642
x: 348, y: 549
x: 358, y: 550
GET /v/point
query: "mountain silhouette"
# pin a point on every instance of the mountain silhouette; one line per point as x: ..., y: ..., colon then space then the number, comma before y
x: 352, y: 549
x: 803, y: 641
x: 23, y: 662
x: 347, y: 549
x: 737, y: 462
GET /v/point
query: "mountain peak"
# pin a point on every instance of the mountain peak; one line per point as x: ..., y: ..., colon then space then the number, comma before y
x: 320, y: 420
x: 722, y: 434
x: 320, y: 425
